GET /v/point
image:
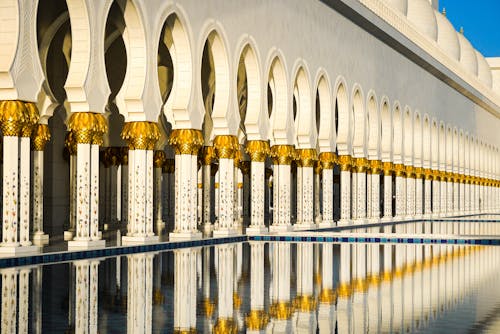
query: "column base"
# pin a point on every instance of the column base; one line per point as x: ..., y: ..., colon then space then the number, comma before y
x: 373, y: 220
x: 86, y: 244
x: 409, y: 218
x: 14, y: 251
x: 318, y: 220
x: 305, y: 226
x: 68, y: 235
x: 326, y: 224
x: 207, y: 228
x: 386, y: 219
x: 280, y: 228
x: 360, y: 221
x: 184, y: 236
x: 224, y: 232
x: 344, y: 222
x: 40, y: 239
x: 256, y: 230
x: 132, y: 241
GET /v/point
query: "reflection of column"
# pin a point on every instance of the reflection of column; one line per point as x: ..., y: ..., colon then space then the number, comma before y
x: 257, y: 318
x: 140, y: 293
x: 186, y: 142
x: 305, y: 302
x: 225, y: 149
x: 37, y: 299
x: 185, y: 278
x: 15, y: 300
x: 88, y: 129
x: 388, y: 168
x: 305, y: 174
x: 400, y: 191
x: 86, y: 287
x: 282, y: 157
x: 327, y: 297
x: 281, y: 308
x: 374, y: 189
x: 344, y: 290
x: 225, y: 276
x: 344, y: 162
x: 141, y: 137
x: 327, y: 160
x: 40, y: 137
x: 258, y: 150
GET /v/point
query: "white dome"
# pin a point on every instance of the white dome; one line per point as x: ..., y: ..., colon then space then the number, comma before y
x: 483, y: 70
x: 398, y: 5
x: 447, y: 36
x: 467, y: 55
x: 421, y: 14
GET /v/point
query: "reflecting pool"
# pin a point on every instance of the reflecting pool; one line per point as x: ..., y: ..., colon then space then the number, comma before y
x: 271, y: 287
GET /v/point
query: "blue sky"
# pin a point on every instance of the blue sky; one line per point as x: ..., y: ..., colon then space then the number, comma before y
x: 481, y: 22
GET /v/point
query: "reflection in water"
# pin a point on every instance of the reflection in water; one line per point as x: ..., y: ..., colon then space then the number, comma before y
x: 256, y: 287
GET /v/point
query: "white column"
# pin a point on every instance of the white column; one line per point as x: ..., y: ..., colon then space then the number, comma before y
x: 24, y: 191
x: 10, y: 188
x: 317, y: 191
x: 158, y: 198
x: 443, y: 205
x: 70, y: 233
x: 327, y: 217
x: 124, y: 200
x: 299, y: 197
x: 226, y: 197
x: 387, y: 166
x: 461, y: 185
x: 207, y: 224
x: 449, y: 197
x: 400, y: 197
x: 199, y: 200
x: 419, y: 194
x: 282, y: 157
x: 467, y: 196
x: 345, y: 190
x: 39, y: 237
x: 305, y: 198
x: 239, y: 217
x: 94, y: 194
x: 361, y: 197
x: 375, y: 196
x: 410, y: 197
x: 436, y: 195
x: 427, y: 195
x: 257, y: 197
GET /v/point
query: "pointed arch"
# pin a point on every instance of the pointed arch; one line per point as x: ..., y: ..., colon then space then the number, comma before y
x: 398, y: 139
x: 358, y: 122
x: 417, y: 140
x: 305, y: 124
x: 326, y: 128
x: 373, y: 127
x: 426, y: 142
x: 408, y: 149
x: 342, y: 118
x: 386, y: 129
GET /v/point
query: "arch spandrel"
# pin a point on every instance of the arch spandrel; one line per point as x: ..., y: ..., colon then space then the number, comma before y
x: 373, y: 127
x: 343, y: 119
x: 408, y: 147
x: 326, y: 133
x: 358, y: 116
x: 21, y: 70
x: 305, y: 123
x: 386, y: 130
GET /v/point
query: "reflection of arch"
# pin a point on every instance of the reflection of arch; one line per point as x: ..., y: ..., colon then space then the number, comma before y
x: 279, y: 109
x: 386, y: 129
x: 305, y: 126
x: 398, y: 134
x: 359, y: 122
x: 408, y: 136
x: 326, y: 132
x: 417, y: 139
x: 373, y: 140
x: 343, y: 118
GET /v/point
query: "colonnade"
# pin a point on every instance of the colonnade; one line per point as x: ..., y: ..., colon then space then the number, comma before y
x: 198, y: 138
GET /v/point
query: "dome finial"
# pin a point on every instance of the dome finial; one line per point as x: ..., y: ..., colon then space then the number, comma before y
x: 444, y: 11
x: 462, y: 30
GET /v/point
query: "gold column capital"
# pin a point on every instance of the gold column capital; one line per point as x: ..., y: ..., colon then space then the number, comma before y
x: 100, y: 128
x: 159, y: 158
x: 258, y: 150
x: 344, y: 290
x: 327, y: 296
x: 399, y: 170
x: 13, y: 117
x: 305, y: 303
x: 281, y: 310
x: 307, y: 157
x: 388, y: 168
x: 225, y: 326
x: 141, y: 135
x: 226, y: 146
x: 428, y: 174
x: 419, y: 172
x: 207, y: 154
x: 87, y: 127
x: 282, y: 154
x: 345, y: 162
x: 31, y: 119
x: 70, y: 143
x: 40, y: 136
x: 410, y: 171
x: 257, y: 320
x: 327, y: 160
x: 375, y: 166
x: 360, y: 165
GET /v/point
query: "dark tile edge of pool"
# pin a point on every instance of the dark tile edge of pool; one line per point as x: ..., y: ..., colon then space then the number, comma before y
x: 65, y: 256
